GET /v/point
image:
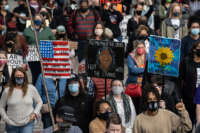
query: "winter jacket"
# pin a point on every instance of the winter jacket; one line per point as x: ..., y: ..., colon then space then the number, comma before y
x: 43, y: 34
x: 168, y: 30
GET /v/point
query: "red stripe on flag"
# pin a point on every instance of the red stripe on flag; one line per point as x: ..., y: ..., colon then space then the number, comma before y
x: 60, y: 43
x: 61, y: 54
x: 57, y: 64
x: 61, y: 49
x: 57, y: 74
x: 57, y: 69
x: 56, y: 59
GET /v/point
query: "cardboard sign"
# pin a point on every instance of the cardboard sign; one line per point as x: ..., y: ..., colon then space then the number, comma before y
x: 32, y: 54
x: 164, y: 56
x: 105, y: 59
x: 15, y: 60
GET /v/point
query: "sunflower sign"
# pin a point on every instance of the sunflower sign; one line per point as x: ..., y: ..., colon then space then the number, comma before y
x: 164, y: 56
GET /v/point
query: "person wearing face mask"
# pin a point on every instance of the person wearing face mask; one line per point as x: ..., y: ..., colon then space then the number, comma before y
x: 122, y: 104
x: 189, y: 83
x: 156, y: 120
x: 21, y: 13
x: 5, y: 15
x: 136, y: 62
x: 65, y: 118
x: 23, y: 103
x: 103, y: 111
x: 174, y: 26
x: 83, y: 104
x: 99, y: 31
x: 193, y: 36
x: 43, y: 33
x: 81, y: 25
x: 12, y: 42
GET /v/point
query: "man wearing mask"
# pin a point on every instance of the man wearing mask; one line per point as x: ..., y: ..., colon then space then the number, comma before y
x: 22, y: 15
x: 112, y: 19
x: 81, y: 25
x: 155, y: 120
x: 64, y: 121
x: 192, y: 37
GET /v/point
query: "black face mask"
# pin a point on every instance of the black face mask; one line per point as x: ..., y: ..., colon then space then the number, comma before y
x: 11, y: 35
x: 142, y: 37
x: 9, y: 44
x: 104, y: 116
x: 44, y: 14
x: 83, y: 10
x: 198, y: 52
x: 176, y: 14
x: 152, y: 106
x: 138, y: 13
x: 61, y: 35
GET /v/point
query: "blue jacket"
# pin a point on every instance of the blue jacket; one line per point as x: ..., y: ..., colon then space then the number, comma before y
x: 133, y: 70
x: 53, y: 94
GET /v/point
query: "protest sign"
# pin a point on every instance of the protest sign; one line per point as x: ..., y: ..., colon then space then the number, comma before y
x: 105, y: 59
x: 56, y: 59
x: 15, y: 60
x: 164, y: 56
x: 32, y: 54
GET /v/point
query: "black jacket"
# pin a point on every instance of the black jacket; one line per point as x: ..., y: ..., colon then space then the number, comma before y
x: 112, y: 20
x: 83, y: 106
x: 188, y: 78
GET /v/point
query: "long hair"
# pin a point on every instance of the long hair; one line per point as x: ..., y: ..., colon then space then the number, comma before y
x: 12, y: 83
x: 172, y: 8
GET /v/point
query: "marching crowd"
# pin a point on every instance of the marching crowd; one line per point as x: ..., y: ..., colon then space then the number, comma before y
x: 142, y: 103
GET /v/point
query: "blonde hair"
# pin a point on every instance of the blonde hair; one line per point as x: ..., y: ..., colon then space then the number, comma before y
x: 172, y: 8
x: 140, y: 28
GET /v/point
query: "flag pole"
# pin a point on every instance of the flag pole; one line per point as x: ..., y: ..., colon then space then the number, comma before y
x: 41, y: 63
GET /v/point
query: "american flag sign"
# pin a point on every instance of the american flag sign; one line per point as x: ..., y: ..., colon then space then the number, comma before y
x: 56, y: 59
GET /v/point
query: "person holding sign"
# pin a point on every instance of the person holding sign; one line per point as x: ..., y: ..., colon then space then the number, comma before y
x: 19, y: 98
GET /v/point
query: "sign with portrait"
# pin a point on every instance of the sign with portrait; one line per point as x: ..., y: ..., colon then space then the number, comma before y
x: 105, y: 59
x: 164, y: 56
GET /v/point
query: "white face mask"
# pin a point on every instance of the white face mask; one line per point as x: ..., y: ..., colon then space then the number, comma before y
x: 98, y: 32
x: 117, y: 90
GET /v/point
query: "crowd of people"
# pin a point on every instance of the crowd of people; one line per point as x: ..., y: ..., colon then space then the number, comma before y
x: 161, y: 104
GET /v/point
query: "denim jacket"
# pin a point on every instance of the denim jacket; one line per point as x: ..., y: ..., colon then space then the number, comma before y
x: 133, y: 70
x: 53, y: 93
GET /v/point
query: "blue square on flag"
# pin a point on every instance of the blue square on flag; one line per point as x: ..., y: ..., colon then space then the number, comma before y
x: 46, y: 49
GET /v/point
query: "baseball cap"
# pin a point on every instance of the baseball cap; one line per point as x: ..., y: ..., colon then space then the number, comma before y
x: 60, y: 28
x: 67, y: 113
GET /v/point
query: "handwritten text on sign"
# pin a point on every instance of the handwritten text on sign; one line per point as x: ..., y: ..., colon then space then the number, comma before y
x: 15, y: 60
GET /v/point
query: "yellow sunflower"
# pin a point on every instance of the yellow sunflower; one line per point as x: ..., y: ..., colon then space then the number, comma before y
x: 164, y: 55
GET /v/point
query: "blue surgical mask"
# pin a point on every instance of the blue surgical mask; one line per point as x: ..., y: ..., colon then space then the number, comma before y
x: 195, y: 31
x: 73, y: 88
x: 19, y: 80
x: 38, y: 22
x: 7, y: 7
